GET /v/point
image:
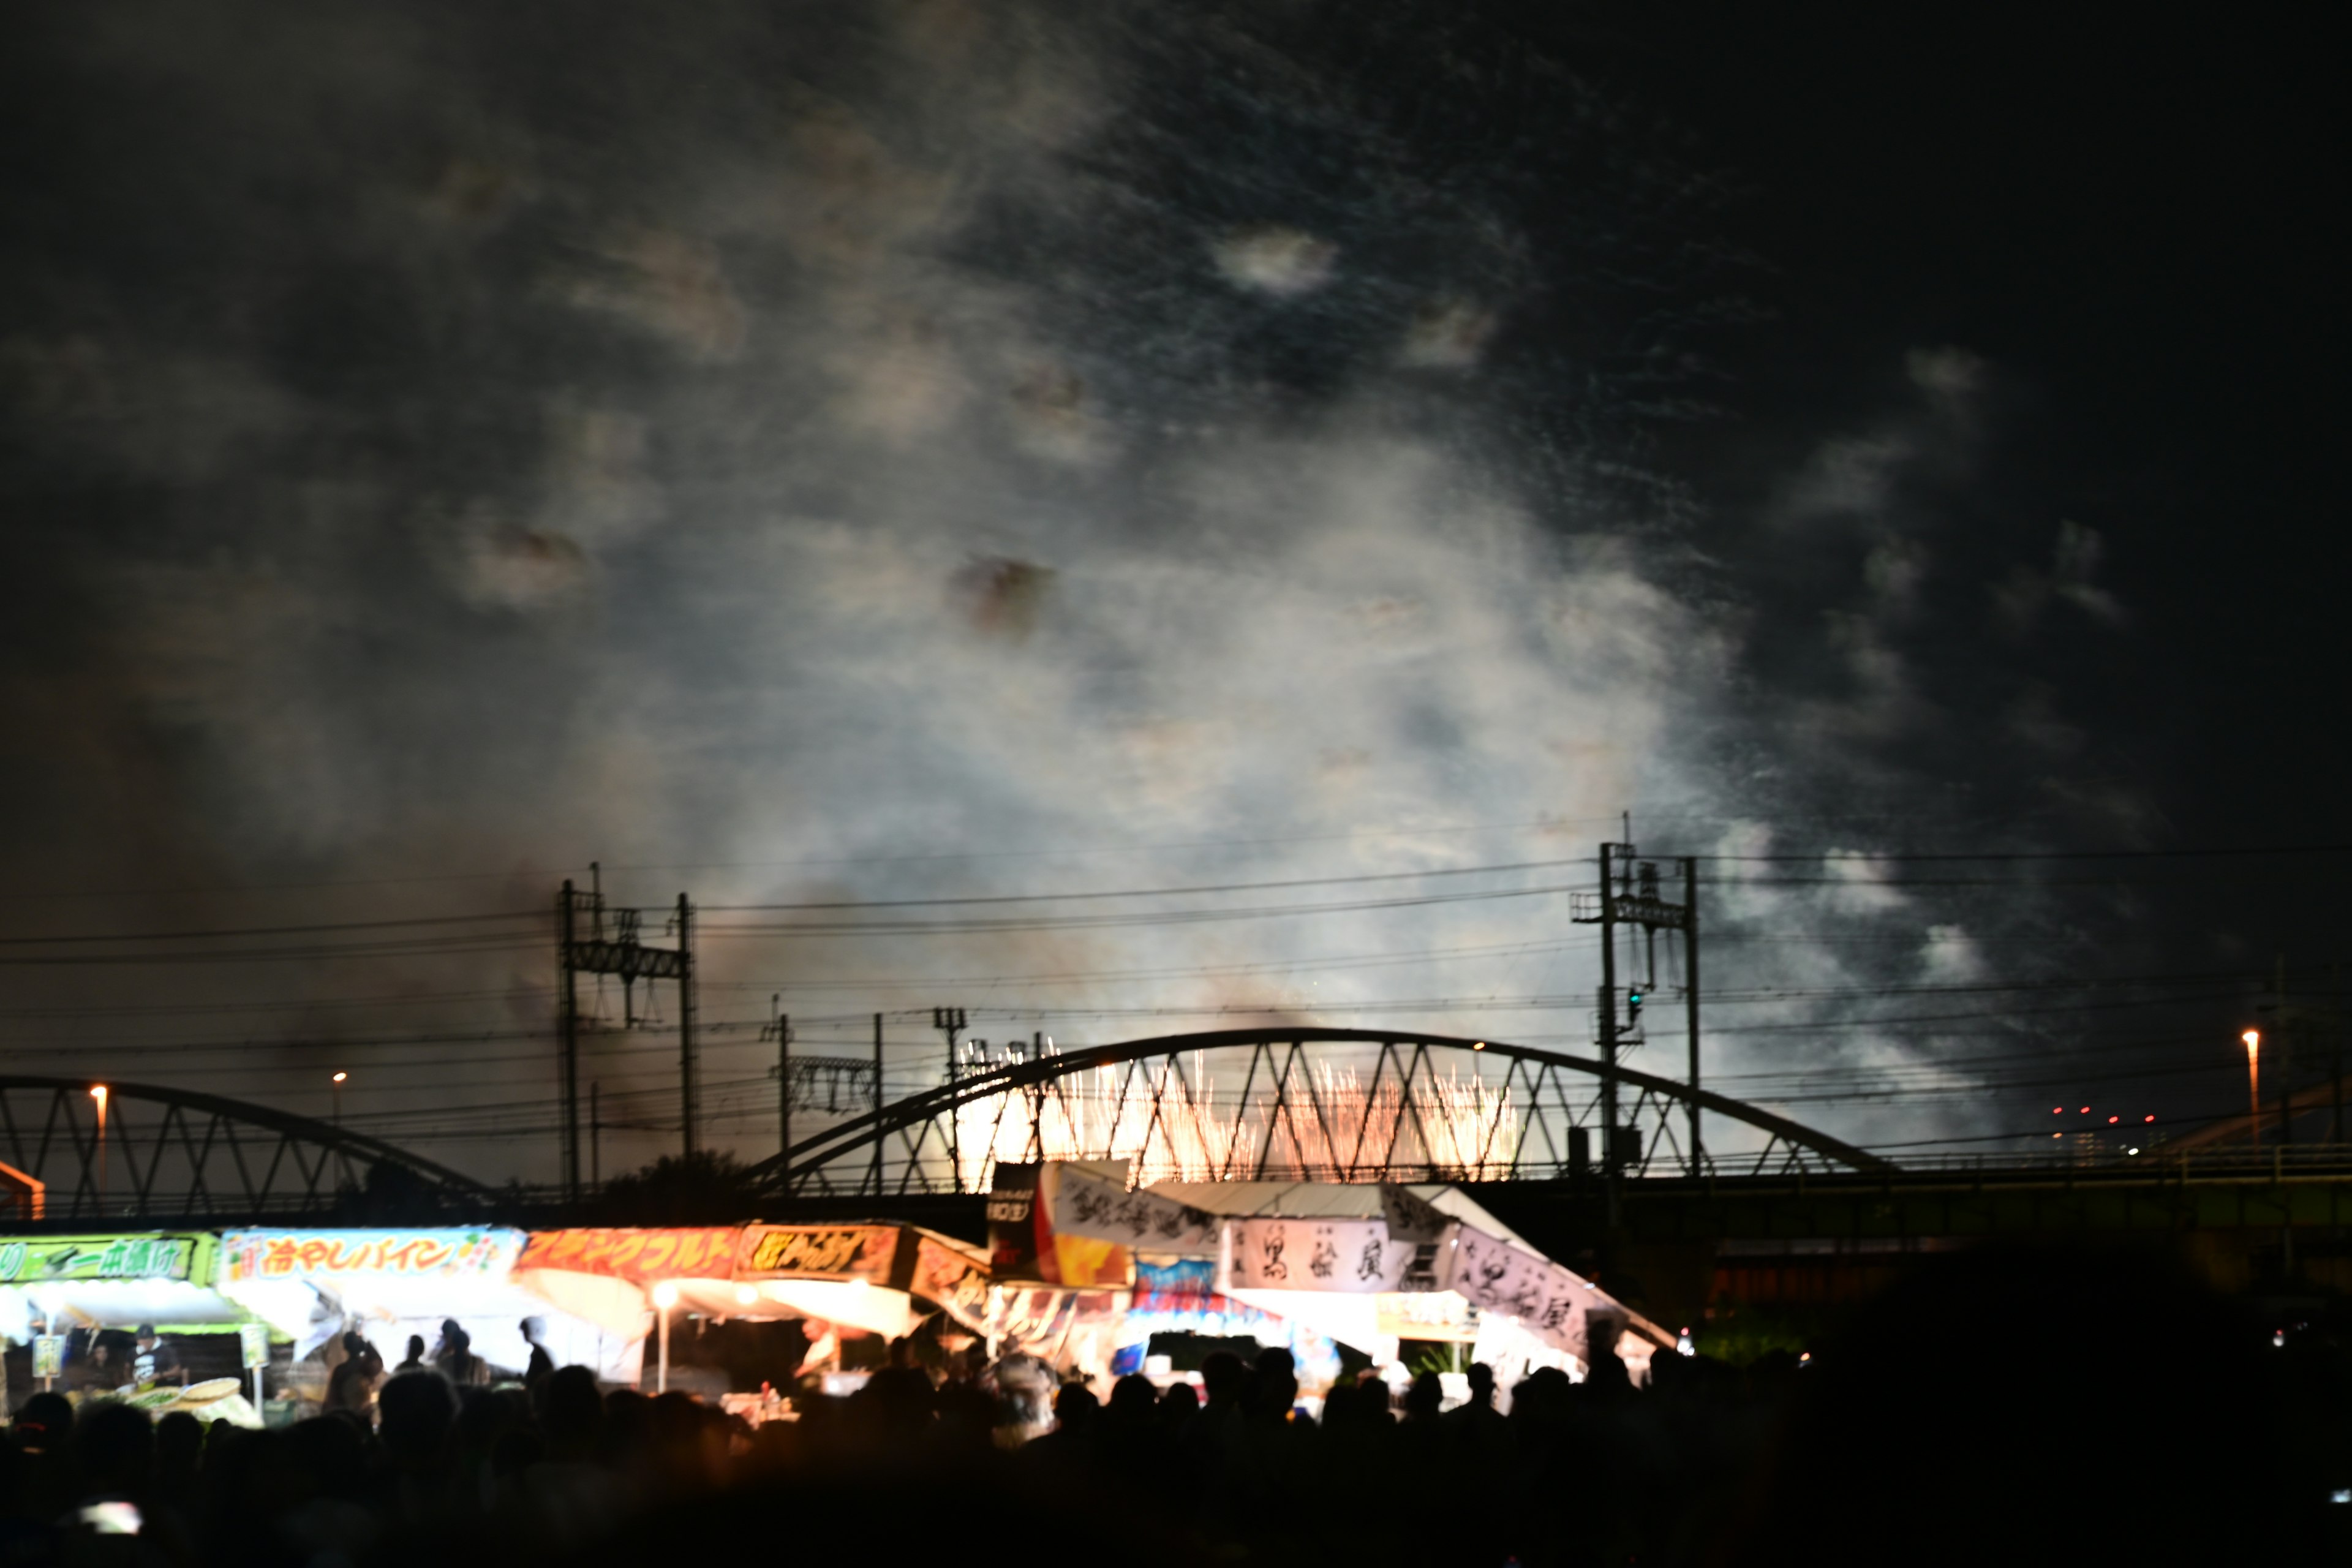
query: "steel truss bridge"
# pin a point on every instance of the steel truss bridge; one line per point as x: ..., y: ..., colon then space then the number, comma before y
x: 179, y: 1155
x: 1294, y: 1103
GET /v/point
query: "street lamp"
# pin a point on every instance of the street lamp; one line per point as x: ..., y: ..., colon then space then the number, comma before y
x: 665, y: 1297
x: 2253, y: 1038
x: 98, y: 1092
x: 339, y: 1099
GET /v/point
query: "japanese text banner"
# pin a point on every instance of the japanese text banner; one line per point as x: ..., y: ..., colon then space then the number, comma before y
x: 866, y: 1252
x: 1086, y: 1205
x: 642, y: 1257
x: 37, y: 1259
x: 1354, y: 1255
x: 411, y: 1254
x: 1548, y: 1301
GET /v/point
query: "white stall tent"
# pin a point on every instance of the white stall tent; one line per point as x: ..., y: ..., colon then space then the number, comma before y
x: 1325, y: 1237
x: 389, y: 1284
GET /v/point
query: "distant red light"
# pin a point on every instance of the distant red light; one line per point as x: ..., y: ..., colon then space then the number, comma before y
x: 2112, y: 1120
x: 2057, y: 1111
x: 2148, y: 1118
x: 2086, y: 1110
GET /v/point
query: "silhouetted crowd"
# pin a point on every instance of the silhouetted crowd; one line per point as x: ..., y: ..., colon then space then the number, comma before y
x: 2106, y: 1408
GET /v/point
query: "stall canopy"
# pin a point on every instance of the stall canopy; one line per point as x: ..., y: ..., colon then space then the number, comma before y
x: 868, y: 1276
x: 605, y: 1275
x: 1364, y: 1263
x: 865, y: 1275
x: 112, y: 1281
x: 392, y: 1283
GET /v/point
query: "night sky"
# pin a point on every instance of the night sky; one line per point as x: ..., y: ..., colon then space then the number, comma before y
x: 926, y: 450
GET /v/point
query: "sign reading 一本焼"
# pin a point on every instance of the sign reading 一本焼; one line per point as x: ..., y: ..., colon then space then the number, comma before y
x: 866, y: 1252
x: 642, y: 1256
x: 408, y: 1254
x: 34, y: 1261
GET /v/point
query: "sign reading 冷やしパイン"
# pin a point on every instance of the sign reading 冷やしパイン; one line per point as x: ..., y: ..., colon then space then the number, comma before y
x: 33, y: 1262
x: 298, y: 1254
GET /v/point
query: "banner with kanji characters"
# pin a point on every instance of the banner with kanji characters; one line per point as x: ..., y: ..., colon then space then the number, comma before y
x: 642, y: 1256
x: 1086, y: 1205
x: 1548, y: 1301
x: 1355, y: 1256
x: 254, y: 1255
x: 38, y: 1260
x: 868, y: 1252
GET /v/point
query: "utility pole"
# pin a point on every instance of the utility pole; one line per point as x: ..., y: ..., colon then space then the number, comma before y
x: 567, y: 1003
x: 1690, y: 999
x: 621, y: 955
x: 1609, y: 1031
x: 595, y: 1136
x: 1630, y: 896
x: 877, y: 1105
x: 780, y: 1028
x: 949, y: 1021
x: 687, y: 1091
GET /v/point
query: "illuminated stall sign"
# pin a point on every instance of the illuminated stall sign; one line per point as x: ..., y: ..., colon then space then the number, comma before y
x: 642, y: 1256
x: 49, y: 1258
x: 260, y: 1255
x: 957, y: 1283
x: 1425, y: 1315
x: 868, y: 1252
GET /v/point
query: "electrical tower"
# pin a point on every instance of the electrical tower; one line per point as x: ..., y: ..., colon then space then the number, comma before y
x: 617, y: 951
x: 1629, y: 895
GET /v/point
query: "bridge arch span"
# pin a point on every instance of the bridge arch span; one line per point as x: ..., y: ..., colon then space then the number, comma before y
x: 1312, y: 1103
x: 184, y: 1156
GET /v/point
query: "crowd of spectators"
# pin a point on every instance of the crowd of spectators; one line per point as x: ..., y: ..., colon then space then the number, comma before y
x: 2165, y: 1435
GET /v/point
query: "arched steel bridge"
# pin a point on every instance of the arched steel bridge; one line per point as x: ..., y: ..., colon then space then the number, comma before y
x: 1292, y: 1103
x: 171, y: 1153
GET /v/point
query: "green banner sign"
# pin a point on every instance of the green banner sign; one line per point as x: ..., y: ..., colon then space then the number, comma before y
x: 36, y: 1261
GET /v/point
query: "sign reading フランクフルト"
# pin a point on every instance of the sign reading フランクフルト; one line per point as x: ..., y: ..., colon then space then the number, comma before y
x: 36, y: 1261
x: 704, y: 1252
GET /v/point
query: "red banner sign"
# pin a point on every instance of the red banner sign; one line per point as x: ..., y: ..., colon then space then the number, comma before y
x: 644, y: 1257
x: 865, y: 1252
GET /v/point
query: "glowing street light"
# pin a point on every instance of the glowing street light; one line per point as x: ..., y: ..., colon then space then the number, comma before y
x: 665, y: 1297
x: 339, y: 1099
x: 2253, y: 1038
x: 99, y: 1093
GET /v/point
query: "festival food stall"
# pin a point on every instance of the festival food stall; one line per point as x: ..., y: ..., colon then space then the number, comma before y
x: 879, y: 1279
x: 53, y: 1285
x: 1363, y: 1264
x: 388, y: 1284
x: 113, y: 1282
